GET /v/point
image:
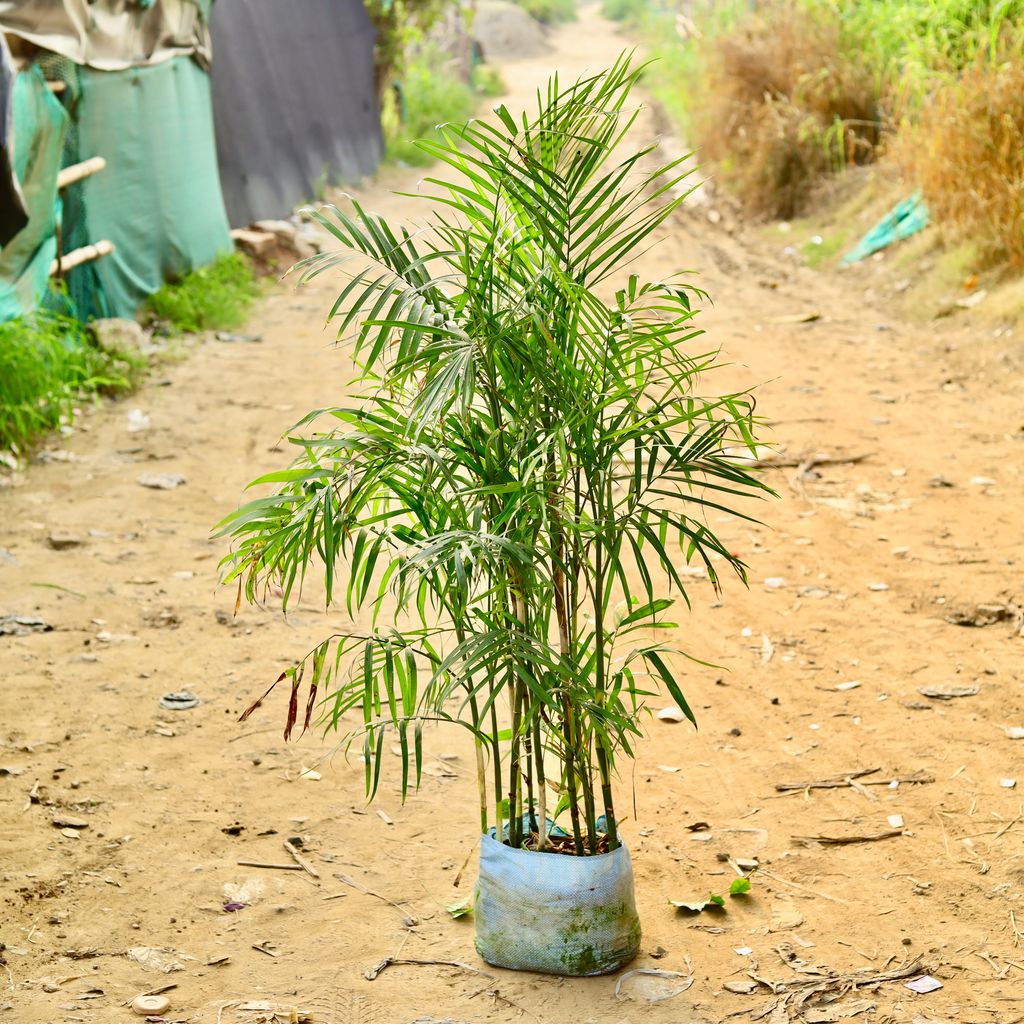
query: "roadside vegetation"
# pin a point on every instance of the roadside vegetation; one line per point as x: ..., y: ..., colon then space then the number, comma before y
x: 48, y: 366
x: 432, y: 93
x: 549, y: 12
x: 422, y: 72
x: 784, y: 95
x: 214, y: 297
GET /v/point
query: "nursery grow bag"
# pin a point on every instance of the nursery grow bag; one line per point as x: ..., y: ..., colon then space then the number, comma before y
x: 558, y: 914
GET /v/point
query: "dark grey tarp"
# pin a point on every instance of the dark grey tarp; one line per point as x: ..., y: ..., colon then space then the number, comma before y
x: 13, y: 215
x: 293, y: 101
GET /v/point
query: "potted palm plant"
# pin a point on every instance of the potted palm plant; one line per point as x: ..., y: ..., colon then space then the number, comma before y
x: 512, y: 492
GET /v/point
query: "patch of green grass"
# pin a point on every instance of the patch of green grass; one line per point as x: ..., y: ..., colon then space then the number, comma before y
x: 215, y: 297
x: 631, y: 12
x: 819, y: 253
x: 431, y: 95
x: 549, y: 12
x: 912, y: 43
x: 487, y: 81
x: 47, y: 364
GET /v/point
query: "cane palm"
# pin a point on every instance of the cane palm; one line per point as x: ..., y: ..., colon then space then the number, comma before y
x: 523, y: 474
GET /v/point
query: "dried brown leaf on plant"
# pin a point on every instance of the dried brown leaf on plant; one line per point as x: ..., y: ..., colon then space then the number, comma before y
x: 967, y: 152
x: 783, y: 104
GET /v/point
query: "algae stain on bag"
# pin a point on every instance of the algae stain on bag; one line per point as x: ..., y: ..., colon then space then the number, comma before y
x: 554, y: 913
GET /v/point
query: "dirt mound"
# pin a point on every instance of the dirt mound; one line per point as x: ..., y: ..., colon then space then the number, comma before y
x: 503, y: 30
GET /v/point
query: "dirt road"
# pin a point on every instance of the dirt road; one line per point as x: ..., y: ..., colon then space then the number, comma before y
x: 822, y: 665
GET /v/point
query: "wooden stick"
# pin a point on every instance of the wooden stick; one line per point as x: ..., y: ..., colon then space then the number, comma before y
x: 372, y: 973
x: 832, y: 782
x: 808, y: 463
x: 260, y: 864
x: 842, y: 781
x: 304, y: 864
x: 803, y: 888
x: 76, y: 172
x: 83, y: 255
x: 872, y: 837
x: 1007, y: 827
x: 152, y: 992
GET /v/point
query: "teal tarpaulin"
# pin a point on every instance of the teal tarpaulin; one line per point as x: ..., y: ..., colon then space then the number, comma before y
x: 906, y: 218
x: 159, y: 200
x: 39, y: 123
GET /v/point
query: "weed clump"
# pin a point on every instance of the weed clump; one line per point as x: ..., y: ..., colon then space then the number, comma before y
x: 431, y: 94
x: 48, y: 364
x: 214, y: 297
x: 784, y: 104
x: 549, y: 12
x: 967, y: 152
x: 487, y: 81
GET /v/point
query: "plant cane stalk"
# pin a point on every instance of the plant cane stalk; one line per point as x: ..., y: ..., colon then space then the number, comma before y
x: 600, y: 669
x: 542, y: 797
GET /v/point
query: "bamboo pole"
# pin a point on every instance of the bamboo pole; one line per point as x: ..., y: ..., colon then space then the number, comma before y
x: 79, y: 256
x: 76, y: 172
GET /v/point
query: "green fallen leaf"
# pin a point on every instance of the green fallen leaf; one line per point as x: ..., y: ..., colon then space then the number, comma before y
x: 713, y: 902
x: 739, y: 887
x: 460, y: 908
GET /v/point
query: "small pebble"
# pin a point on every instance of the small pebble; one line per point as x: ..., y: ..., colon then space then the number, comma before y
x: 672, y: 714
x: 67, y: 821
x: 741, y: 988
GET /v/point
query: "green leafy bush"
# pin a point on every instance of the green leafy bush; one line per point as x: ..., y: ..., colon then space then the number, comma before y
x: 429, y: 97
x: 47, y: 364
x: 487, y: 81
x: 632, y: 11
x: 215, y: 297
x: 966, y: 150
x: 912, y: 42
x: 550, y: 12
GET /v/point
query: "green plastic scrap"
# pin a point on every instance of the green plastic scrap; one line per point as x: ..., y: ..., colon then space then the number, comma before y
x: 906, y: 218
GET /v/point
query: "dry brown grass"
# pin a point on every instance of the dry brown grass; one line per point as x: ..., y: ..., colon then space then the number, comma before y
x: 967, y: 152
x: 782, y: 105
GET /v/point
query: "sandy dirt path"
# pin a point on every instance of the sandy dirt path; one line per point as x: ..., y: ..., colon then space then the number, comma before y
x: 853, y: 581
